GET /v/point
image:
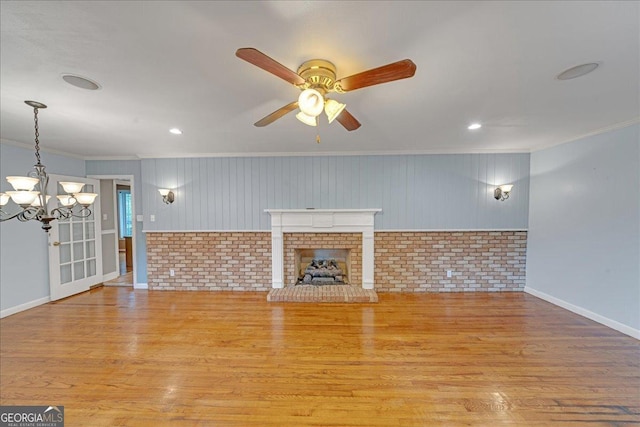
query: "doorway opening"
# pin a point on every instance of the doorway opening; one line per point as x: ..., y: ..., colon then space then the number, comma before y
x: 124, y: 209
x: 118, y: 230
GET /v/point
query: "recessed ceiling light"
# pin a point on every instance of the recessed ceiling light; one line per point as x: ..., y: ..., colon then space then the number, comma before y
x: 81, y: 82
x: 577, y: 71
x: 175, y: 131
x: 474, y: 126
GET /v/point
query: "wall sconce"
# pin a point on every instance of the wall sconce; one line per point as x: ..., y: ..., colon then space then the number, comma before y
x: 167, y: 195
x: 502, y: 192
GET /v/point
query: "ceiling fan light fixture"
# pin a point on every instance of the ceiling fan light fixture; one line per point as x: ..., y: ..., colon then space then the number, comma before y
x: 316, y: 78
x: 333, y: 108
x: 311, y: 102
x: 306, y: 119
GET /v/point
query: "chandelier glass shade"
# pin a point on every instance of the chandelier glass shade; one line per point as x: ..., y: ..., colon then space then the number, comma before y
x: 30, y: 192
x: 22, y: 183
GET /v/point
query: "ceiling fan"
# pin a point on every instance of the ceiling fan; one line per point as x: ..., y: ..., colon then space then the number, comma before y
x: 317, y: 78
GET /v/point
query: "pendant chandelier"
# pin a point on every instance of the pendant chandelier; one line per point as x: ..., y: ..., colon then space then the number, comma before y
x: 30, y: 192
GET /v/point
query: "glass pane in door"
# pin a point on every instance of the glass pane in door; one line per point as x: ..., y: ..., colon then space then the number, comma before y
x: 77, y: 231
x: 78, y: 270
x: 89, y: 228
x: 78, y: 251
x: 65, y: 273
x: 65, y: 253
x: 90, y: 249
x: 91, y: 267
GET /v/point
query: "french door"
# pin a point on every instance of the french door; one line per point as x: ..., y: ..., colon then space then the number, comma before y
x: 75, y: 246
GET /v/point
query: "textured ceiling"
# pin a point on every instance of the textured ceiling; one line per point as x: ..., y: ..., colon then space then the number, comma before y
x: 172, y: 64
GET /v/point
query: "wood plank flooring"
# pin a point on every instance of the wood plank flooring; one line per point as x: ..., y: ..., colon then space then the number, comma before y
x: 119, y: 357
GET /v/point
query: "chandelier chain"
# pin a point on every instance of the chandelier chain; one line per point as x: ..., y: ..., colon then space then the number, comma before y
x: 35, y: 119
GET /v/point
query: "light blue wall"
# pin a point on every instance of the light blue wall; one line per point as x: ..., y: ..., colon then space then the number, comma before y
x: 26, y: 279
x: 128, y: 167
x: 584, y: 225
x: 414, y: 192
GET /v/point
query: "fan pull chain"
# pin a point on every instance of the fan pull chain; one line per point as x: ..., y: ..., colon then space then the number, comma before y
x: 318, y: 129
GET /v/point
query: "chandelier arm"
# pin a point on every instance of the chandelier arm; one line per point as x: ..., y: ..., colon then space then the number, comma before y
x: 5, y: 216
x: 66, y: 213
x: 32, y: 213
x: 62, y: 213
x: 24, y: 215
x: 85, y: 212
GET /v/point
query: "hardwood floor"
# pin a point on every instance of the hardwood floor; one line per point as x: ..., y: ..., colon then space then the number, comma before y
x: 119, y: 357
x: 126, y: 273
x: 125, y: 279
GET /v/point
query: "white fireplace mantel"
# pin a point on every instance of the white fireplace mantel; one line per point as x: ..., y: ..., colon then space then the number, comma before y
x: 322, y: 221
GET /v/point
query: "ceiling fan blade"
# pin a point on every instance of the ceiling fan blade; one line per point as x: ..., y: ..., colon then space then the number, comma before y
x: 261, y: 60
x: 387, y: 73
x: 276, y: 114
x: 348, y: 121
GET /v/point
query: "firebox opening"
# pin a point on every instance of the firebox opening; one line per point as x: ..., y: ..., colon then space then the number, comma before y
x: 323, y: 266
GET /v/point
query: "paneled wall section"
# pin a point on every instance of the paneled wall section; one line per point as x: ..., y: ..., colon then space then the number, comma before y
x: 427, y: 192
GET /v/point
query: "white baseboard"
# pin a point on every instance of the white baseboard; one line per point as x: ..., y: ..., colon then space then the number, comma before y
x: 110, y: 276
x: 141, y: 286
x: 627, y: 330
x: 22, y: 307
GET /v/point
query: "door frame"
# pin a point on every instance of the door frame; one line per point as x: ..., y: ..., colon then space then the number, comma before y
x: 134, y: 239
x: 115, y: 274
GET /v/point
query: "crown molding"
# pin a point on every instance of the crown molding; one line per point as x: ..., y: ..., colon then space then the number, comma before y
x: 107, y: 158
x: 599, y: 131
x: 42, y: 149
x: 333, y: 153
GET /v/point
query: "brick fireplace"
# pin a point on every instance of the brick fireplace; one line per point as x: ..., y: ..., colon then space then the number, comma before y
x: 351, y: 229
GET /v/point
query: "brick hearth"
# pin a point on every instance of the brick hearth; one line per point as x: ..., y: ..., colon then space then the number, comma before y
x: 329, y: 293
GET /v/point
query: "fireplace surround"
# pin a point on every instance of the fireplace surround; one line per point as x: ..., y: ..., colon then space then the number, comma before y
x: 322, y: 221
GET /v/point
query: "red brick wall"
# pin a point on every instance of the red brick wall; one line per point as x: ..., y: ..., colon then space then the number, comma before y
x: 405, y: 261
x: 293, y: 241
x: 209, y: 261
x: 479, y: 261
